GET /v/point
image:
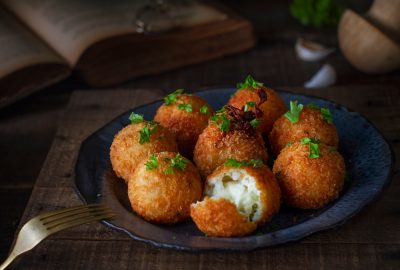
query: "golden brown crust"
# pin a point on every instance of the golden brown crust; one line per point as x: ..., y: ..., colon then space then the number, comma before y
x: 186, y: 125
x: 309, y: 183
x: 265, y: 182
x: 126, y: 151
x: 164, y: 198
x: 219, y: 217
x: 272, y: 109
x: 311, y: 124
x: 214, y: 147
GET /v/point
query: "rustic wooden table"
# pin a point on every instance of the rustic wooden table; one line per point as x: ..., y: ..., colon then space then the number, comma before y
x: 53, y: 123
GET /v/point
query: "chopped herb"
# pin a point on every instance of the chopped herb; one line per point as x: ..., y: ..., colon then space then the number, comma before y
x: 326, y: 114
x: 149, y: 129
x: 151, y: 163
x: 186, y: 107
x: 294, y: 113
x: 136, y: 118
x: 171, y: 98
x: 248, y: 105
x: 222, y: 110
x: 249, y: 82
x: 221, y: 121
x: 255, y: 122
x: 316, y: 13
x: 177, y: 162
x: 313, y: 145
x: 231, y: 162
x: 204, y: 109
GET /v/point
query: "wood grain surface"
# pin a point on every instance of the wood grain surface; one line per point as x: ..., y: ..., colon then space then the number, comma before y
x: 370, y: 240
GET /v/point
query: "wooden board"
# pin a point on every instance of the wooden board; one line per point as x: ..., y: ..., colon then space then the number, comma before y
x: 369, y: 240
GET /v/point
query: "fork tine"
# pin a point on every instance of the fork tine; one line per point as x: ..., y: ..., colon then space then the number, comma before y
x: 73, y: 213
x: 67, y: 218
x: 71, y: 209
x: 77, y: 222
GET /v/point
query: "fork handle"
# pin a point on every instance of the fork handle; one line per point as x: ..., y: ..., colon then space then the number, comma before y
x: 7, y: 262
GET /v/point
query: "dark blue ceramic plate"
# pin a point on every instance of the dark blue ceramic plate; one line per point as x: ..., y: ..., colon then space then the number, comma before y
x: 369, y: 162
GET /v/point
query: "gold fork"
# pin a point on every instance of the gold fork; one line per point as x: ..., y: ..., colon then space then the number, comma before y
x: 44, y: 225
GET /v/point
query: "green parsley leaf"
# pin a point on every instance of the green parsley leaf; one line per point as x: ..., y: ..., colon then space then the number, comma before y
x: 204, y: 109
x: 186, y: 107
x: 249, y: 104
x: 136, y: 118
x: 221, y: 121
x: 231, y: 162
x: 177, y: 162
x: 249, y: 82
x: 316, y: 13
x: 255, y: 122
x: 294, y: 113
x: 149, y: 129
x: 313, y: 145
x: 326, y: 114
x: 152, y: 162
x: 171, y: 98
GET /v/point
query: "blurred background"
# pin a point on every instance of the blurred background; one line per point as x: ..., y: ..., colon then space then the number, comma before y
x: 283, y: 43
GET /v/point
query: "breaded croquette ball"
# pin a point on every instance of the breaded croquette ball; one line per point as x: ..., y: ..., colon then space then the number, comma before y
x: 239, y: 197
x: 310, y: 174
x: 163, y: 187
x: 135, y: 142
x: 252, y: 94
x: 225, y: 138
x: 186, y: 116
x: 303, y: 121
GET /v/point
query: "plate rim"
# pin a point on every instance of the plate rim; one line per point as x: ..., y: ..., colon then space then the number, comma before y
x: 174, y: 246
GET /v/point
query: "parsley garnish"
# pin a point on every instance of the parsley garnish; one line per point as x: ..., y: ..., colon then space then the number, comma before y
x: 136, y: 118
x: 171, y: 98
x: 255, y: 122
x: 221, y: 121
x: 294, y: 113
x: 149, y: 129
x: 204, y: 109
x: 249, y: 82
x: 316, y: 12
x: 313, y: 145
x: 326, y: 114
x: 186, y: 107
x: 152, y: 162
x: 177, y: 162
x: 249, y: 104
x: 231, y: 162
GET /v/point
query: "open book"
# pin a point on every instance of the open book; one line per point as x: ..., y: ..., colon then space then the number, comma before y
x: 42, y: 41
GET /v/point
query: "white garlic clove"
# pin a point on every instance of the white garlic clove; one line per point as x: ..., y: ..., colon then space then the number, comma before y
x: 311, y: 51
x: 325, y: 77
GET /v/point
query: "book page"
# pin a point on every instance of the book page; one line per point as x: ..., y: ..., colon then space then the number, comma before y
x: 71, y: 26
x: 19, y: 47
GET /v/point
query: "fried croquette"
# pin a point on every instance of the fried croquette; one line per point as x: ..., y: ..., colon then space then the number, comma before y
x: 214, y: 146
x: 162, y: 188
x: 311, y: 123
x: 272, y: 108
x: 237, y: 200
x: 309, y: 175
x: 135, y: 142
x: 187, y: 116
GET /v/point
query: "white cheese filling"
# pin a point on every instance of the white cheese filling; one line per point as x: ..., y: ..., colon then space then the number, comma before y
x: 239, y: 188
